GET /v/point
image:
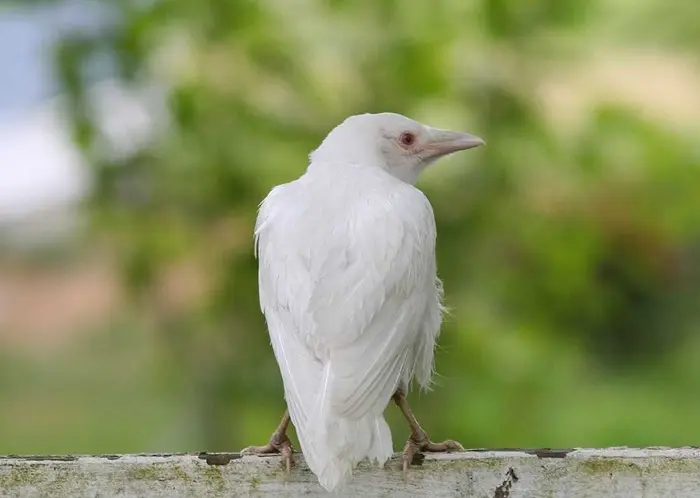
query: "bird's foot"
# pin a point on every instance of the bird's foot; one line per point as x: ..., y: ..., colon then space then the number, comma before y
x: 421, y: 443
x: 279, y: 444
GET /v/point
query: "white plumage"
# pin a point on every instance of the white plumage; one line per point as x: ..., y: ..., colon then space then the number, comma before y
x: 348, y: 285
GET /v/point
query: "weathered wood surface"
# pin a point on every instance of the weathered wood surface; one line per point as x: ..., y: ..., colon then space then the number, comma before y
x: 611, y: 473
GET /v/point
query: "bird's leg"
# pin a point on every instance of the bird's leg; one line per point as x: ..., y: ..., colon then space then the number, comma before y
x: 279, y: 443
x: 419, y: 440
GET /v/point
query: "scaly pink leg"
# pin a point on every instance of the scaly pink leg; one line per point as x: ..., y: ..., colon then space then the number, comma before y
x: 419, y: 441
x: 279, y: 443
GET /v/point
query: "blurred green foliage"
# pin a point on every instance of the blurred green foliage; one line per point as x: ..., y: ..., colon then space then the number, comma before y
x: 570, y: 254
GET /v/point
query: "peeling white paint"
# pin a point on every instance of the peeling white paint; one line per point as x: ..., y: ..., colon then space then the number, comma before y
x: 609, y: 472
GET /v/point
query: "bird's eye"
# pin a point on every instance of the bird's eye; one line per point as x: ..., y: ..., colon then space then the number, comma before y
x: 407, y: 138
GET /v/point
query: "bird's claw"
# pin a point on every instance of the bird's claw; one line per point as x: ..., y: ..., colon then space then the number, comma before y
x: 276, y: 445
x: 417, y: 445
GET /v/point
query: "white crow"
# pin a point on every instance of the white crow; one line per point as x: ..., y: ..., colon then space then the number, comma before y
x: 350, y: 293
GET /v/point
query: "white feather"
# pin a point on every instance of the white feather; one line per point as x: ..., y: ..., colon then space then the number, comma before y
x: 345, y: 322
x: 349, y: 290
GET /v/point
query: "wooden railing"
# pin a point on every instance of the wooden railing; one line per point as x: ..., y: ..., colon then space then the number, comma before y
x: 610, y: 473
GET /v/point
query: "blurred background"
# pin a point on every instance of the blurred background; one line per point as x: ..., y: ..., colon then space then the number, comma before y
x: 137, y: 138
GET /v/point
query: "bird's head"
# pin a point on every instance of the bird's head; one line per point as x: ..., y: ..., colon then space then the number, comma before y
x: 400, y: 145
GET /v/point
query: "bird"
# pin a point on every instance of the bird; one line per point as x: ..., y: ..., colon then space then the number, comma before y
x: 349, y: 290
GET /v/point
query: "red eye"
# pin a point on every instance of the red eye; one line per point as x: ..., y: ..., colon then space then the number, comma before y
x: 407, y: 138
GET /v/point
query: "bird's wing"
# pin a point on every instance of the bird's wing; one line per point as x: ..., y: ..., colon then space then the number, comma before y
x: 285, y: 286
x: 369, y: 304
x: 349, y: 298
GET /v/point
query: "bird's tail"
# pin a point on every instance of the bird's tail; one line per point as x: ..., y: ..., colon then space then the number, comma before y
x: 336, y: 445
x: 332, y: 445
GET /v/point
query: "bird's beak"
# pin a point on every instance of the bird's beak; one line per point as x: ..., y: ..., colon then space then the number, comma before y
x: 444, y: 142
